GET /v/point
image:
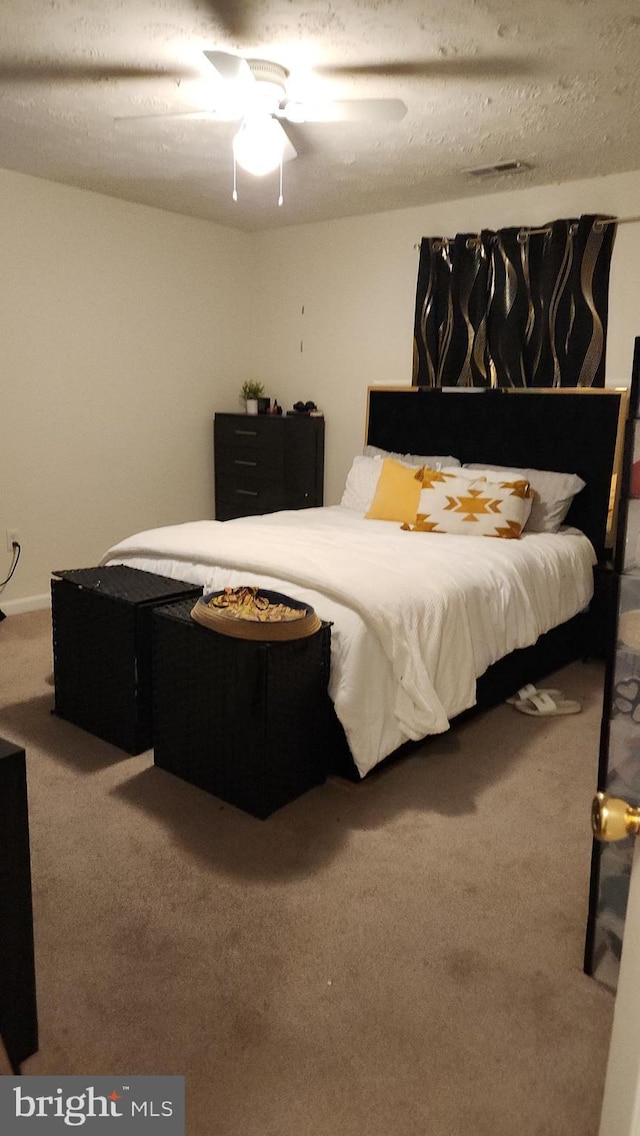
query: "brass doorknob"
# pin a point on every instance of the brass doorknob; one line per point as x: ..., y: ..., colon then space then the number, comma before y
x: 613, y: 819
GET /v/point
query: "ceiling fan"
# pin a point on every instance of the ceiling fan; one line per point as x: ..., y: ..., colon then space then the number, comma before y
x: 264, y: 83
x: 254, y: 93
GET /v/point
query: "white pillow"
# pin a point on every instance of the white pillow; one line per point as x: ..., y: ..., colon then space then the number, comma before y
x: 361, y: 483
x: 552, y: 492
x: 410, y: 459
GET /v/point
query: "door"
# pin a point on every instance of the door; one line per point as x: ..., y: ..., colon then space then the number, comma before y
x: 614, y: 820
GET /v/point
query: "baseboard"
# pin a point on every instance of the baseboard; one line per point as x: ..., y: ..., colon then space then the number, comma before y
x: 27, y: 603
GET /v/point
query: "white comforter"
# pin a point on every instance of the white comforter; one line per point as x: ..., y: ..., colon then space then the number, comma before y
x: 417, y: 617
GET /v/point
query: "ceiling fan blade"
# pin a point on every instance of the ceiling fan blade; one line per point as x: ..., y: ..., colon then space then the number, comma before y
x: 187, y: 115
x: 458, y: 67
x: 300, y: 141
x: 73, y: 71
x: 346, y: 110
x: 231, y: 68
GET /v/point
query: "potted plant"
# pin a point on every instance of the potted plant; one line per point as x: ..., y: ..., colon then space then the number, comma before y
x: 250, y: 392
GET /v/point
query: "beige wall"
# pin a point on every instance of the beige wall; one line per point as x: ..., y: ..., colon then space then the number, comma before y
x: 121, y: 334
x: 125, y: 328
x: 356, y: 279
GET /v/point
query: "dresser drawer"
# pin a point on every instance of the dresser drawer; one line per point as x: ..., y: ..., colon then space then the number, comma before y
x: 242, y: 465
x: 251, y: 434
x: 241, y: 501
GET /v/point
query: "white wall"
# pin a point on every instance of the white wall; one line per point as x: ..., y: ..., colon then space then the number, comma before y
x: 120, y: 328
x: 124, y: 328
x: 357, y: 277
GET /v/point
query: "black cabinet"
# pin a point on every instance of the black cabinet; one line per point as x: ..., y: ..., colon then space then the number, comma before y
x: 18, y: 1014
x: 266, y: 462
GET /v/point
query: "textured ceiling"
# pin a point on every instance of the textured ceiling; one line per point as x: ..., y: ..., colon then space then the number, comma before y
x: 554, y: 83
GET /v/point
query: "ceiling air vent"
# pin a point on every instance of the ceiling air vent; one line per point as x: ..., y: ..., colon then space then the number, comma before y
x: 512, y: 167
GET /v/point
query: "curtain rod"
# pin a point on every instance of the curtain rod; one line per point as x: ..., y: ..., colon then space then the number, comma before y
x: 526, y: 232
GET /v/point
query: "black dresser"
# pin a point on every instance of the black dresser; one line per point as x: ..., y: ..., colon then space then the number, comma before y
x: 266, y: 462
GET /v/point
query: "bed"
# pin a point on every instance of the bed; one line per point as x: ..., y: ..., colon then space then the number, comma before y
x: 426, y: 628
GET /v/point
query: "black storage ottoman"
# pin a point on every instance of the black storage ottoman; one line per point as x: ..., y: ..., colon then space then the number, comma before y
x: 244, y: 720
x: 18, y: 1006
x: 102, y: 649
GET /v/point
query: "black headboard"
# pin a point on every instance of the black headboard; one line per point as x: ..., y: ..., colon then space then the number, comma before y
x: 569, y: 430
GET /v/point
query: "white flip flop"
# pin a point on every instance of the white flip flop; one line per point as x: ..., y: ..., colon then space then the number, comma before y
x: 528, y: 690
x: 543, y: 705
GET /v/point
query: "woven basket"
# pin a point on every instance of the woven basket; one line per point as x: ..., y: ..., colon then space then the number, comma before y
x: 278, y: 630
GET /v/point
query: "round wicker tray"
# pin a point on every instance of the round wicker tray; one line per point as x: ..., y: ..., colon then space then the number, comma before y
x: 219, y: 620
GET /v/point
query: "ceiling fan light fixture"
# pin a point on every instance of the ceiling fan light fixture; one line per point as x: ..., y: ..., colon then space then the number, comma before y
x: 258, y: 145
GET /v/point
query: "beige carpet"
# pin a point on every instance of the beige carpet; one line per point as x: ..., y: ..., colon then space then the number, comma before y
x: 397, y: 957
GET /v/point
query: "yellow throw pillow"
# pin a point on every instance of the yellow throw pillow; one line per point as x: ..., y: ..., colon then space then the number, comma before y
x: 397, y: 493
x: 450, y: 504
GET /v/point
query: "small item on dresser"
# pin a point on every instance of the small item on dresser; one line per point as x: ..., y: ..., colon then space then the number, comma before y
x: 250, y: 392
x: 305, y: 407
x: 249, y: 612
x: 275, y: 409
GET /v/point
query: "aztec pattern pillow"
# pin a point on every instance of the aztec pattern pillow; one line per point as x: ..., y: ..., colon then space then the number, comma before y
x: 466, y: 507
x: 552, y: 492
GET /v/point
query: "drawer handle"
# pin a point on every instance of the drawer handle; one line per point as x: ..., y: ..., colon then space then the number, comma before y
x: 247, y: 492
x: 247, y: 433
x: 239, y: 461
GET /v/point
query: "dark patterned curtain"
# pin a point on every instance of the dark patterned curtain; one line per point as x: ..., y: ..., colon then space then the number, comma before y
x: 518, y: 307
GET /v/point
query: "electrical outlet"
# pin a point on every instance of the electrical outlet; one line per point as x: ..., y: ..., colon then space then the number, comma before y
x: 13, y: 537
